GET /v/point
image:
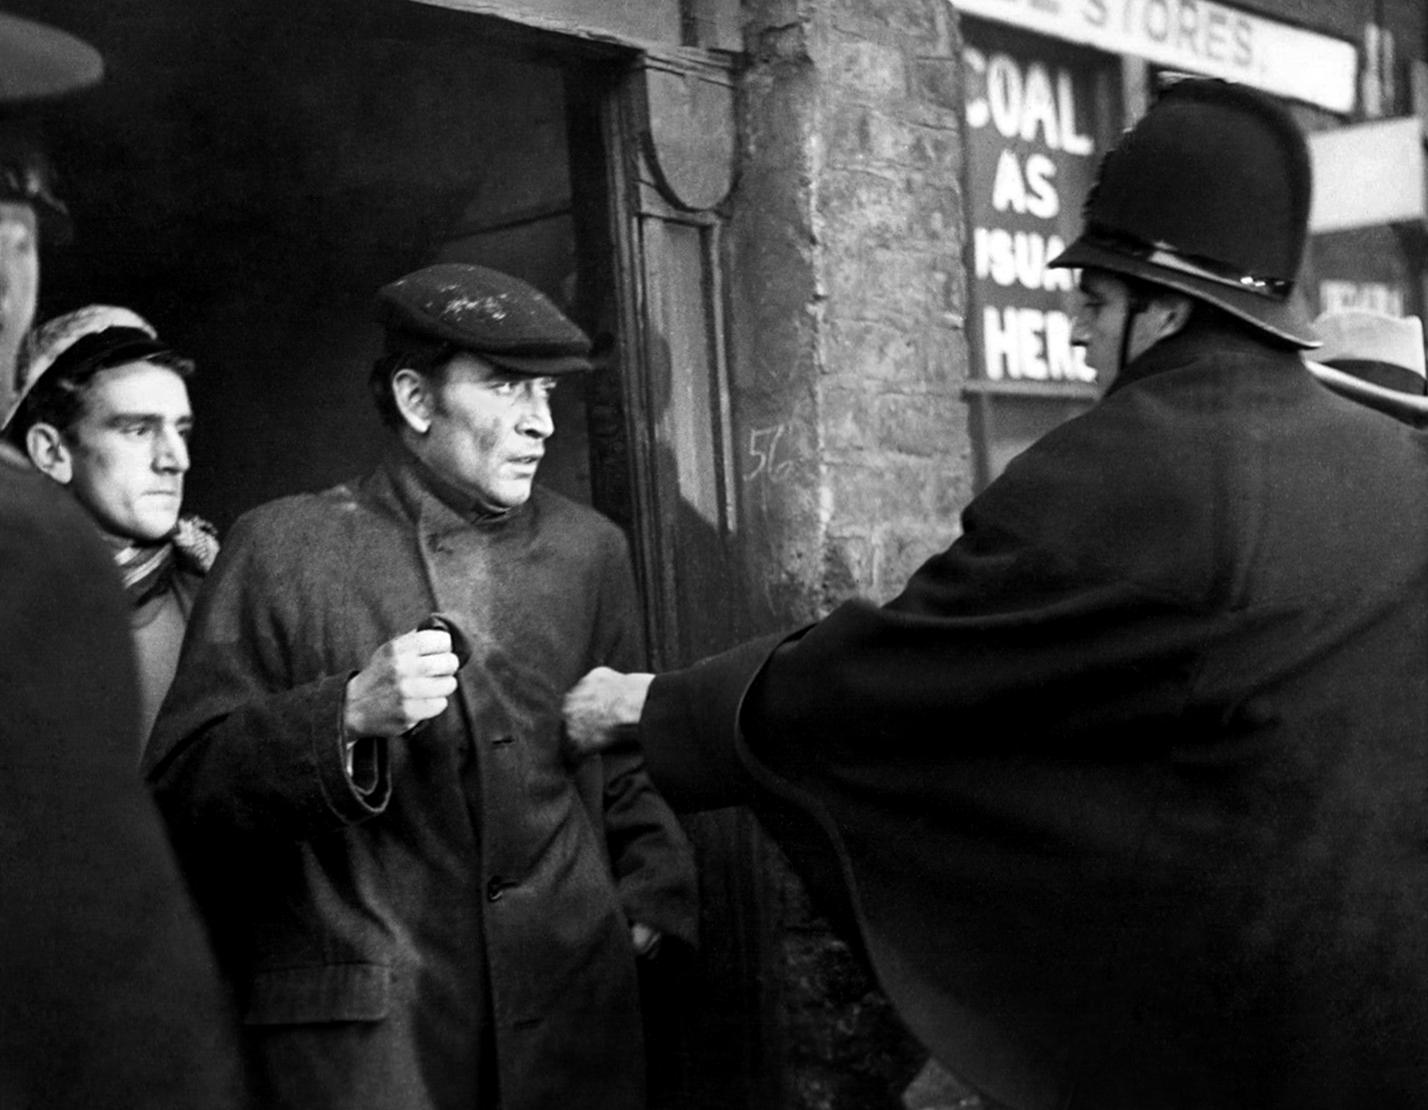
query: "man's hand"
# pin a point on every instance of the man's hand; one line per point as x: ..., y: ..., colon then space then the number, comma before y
x: 600, y: 704
x: 407, y: 681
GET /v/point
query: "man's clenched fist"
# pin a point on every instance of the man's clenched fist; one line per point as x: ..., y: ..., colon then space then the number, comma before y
x: 408, y: 680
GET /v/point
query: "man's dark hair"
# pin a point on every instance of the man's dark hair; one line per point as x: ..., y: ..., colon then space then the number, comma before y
x: 405, y: 351
x: 58, y: 398
x: 1141, y: 292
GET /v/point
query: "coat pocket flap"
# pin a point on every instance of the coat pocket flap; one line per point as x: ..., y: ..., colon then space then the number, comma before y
x: 328, y: 992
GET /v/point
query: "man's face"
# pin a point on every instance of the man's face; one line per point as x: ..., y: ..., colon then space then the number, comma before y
x: 129, y: 450
x: 19, y: 285
x: 488, y: 430
x: 1101, y: 320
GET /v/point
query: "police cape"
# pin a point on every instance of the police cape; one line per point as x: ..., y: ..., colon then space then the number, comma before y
x: 1126, y: 795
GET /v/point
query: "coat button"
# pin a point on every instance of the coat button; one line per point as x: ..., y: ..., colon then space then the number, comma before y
x: 495, y: 888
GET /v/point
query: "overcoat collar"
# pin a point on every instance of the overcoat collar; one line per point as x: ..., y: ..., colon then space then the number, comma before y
x: 427, y: 499
x: 1202, y: 341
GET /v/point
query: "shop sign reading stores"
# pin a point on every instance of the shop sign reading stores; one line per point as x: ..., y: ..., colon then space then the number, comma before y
x: 1197, y: 36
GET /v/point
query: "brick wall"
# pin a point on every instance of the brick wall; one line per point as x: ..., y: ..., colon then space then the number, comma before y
x: 892, y: 352
x: 848, y: 291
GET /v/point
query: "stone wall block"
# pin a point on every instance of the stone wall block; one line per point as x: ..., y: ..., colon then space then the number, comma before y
x: 774, y: 120
x: 949, y: 280
x: 945, y: 356
x: 866, y: 71
x: 865, y: 138
x: 915, y: 20
x: 771, y: 247
x: 775, y: 30
x: 936, y: 149
x: 874, y: 203
x: 849, y: 562
x: 875, y: 354
x: 877, y: 284
x: 877, y: 488
x: 936, y: 211
x: 938, y: 82
x: 845, y: 418
x: 778, y: 348
x: 917, y: 424
x: 948, y: 492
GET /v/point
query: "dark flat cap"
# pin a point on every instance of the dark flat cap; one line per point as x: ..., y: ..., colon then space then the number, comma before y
x: 38, y: 62
x: 499, y: 317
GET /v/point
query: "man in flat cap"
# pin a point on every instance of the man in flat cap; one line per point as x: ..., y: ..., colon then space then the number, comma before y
x: 1124, y: 794
x: 109, y: 995
x: 103, y: 411
x: 425, y: 906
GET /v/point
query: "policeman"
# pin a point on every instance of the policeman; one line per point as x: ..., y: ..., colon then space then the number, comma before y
x: 1124, y: 792
x: 108, y: 993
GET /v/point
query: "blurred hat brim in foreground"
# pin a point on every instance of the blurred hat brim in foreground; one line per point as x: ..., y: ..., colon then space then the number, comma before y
x: 39, y: 62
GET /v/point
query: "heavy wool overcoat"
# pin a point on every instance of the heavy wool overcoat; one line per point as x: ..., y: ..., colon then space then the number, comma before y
x: 452, y: 922
x: 1127, y: 792
x: 109, y: 993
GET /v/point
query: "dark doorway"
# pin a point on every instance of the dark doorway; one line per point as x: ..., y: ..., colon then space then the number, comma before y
x: 251, y: 171
x: 250, y: 174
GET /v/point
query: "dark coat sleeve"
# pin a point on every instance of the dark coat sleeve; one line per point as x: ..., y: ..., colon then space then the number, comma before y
x: 688, y: 731
x: 872, y: 744
x: 109, y: 995
x: 650, y: 854
x: 250, y: 735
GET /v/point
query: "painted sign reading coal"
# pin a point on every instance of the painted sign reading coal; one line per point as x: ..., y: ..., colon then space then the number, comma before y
x: 1031, y: 160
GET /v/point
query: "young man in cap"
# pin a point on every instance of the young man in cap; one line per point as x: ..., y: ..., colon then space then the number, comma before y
x: 424, y: 904
x: 1124, y: 793
x: 103, y: 410
x: 108, y: 993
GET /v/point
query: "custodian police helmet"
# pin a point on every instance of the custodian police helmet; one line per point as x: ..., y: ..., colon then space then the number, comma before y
x: 1208, y: 195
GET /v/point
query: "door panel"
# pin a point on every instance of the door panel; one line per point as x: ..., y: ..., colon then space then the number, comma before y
x: 680, y: 419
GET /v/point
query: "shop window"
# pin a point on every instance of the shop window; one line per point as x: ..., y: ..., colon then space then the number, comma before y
x: 1039, y: 114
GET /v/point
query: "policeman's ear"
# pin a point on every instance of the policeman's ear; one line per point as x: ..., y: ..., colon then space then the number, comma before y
x: 412, y: 394
x: 1170, y: 313
x: 46, y: 446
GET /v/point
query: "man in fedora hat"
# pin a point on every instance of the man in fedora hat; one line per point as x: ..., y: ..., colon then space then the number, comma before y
x: 425, y: 906
x: 108, y: 993
x: 1123, y: 795
x: 1374, y: 358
